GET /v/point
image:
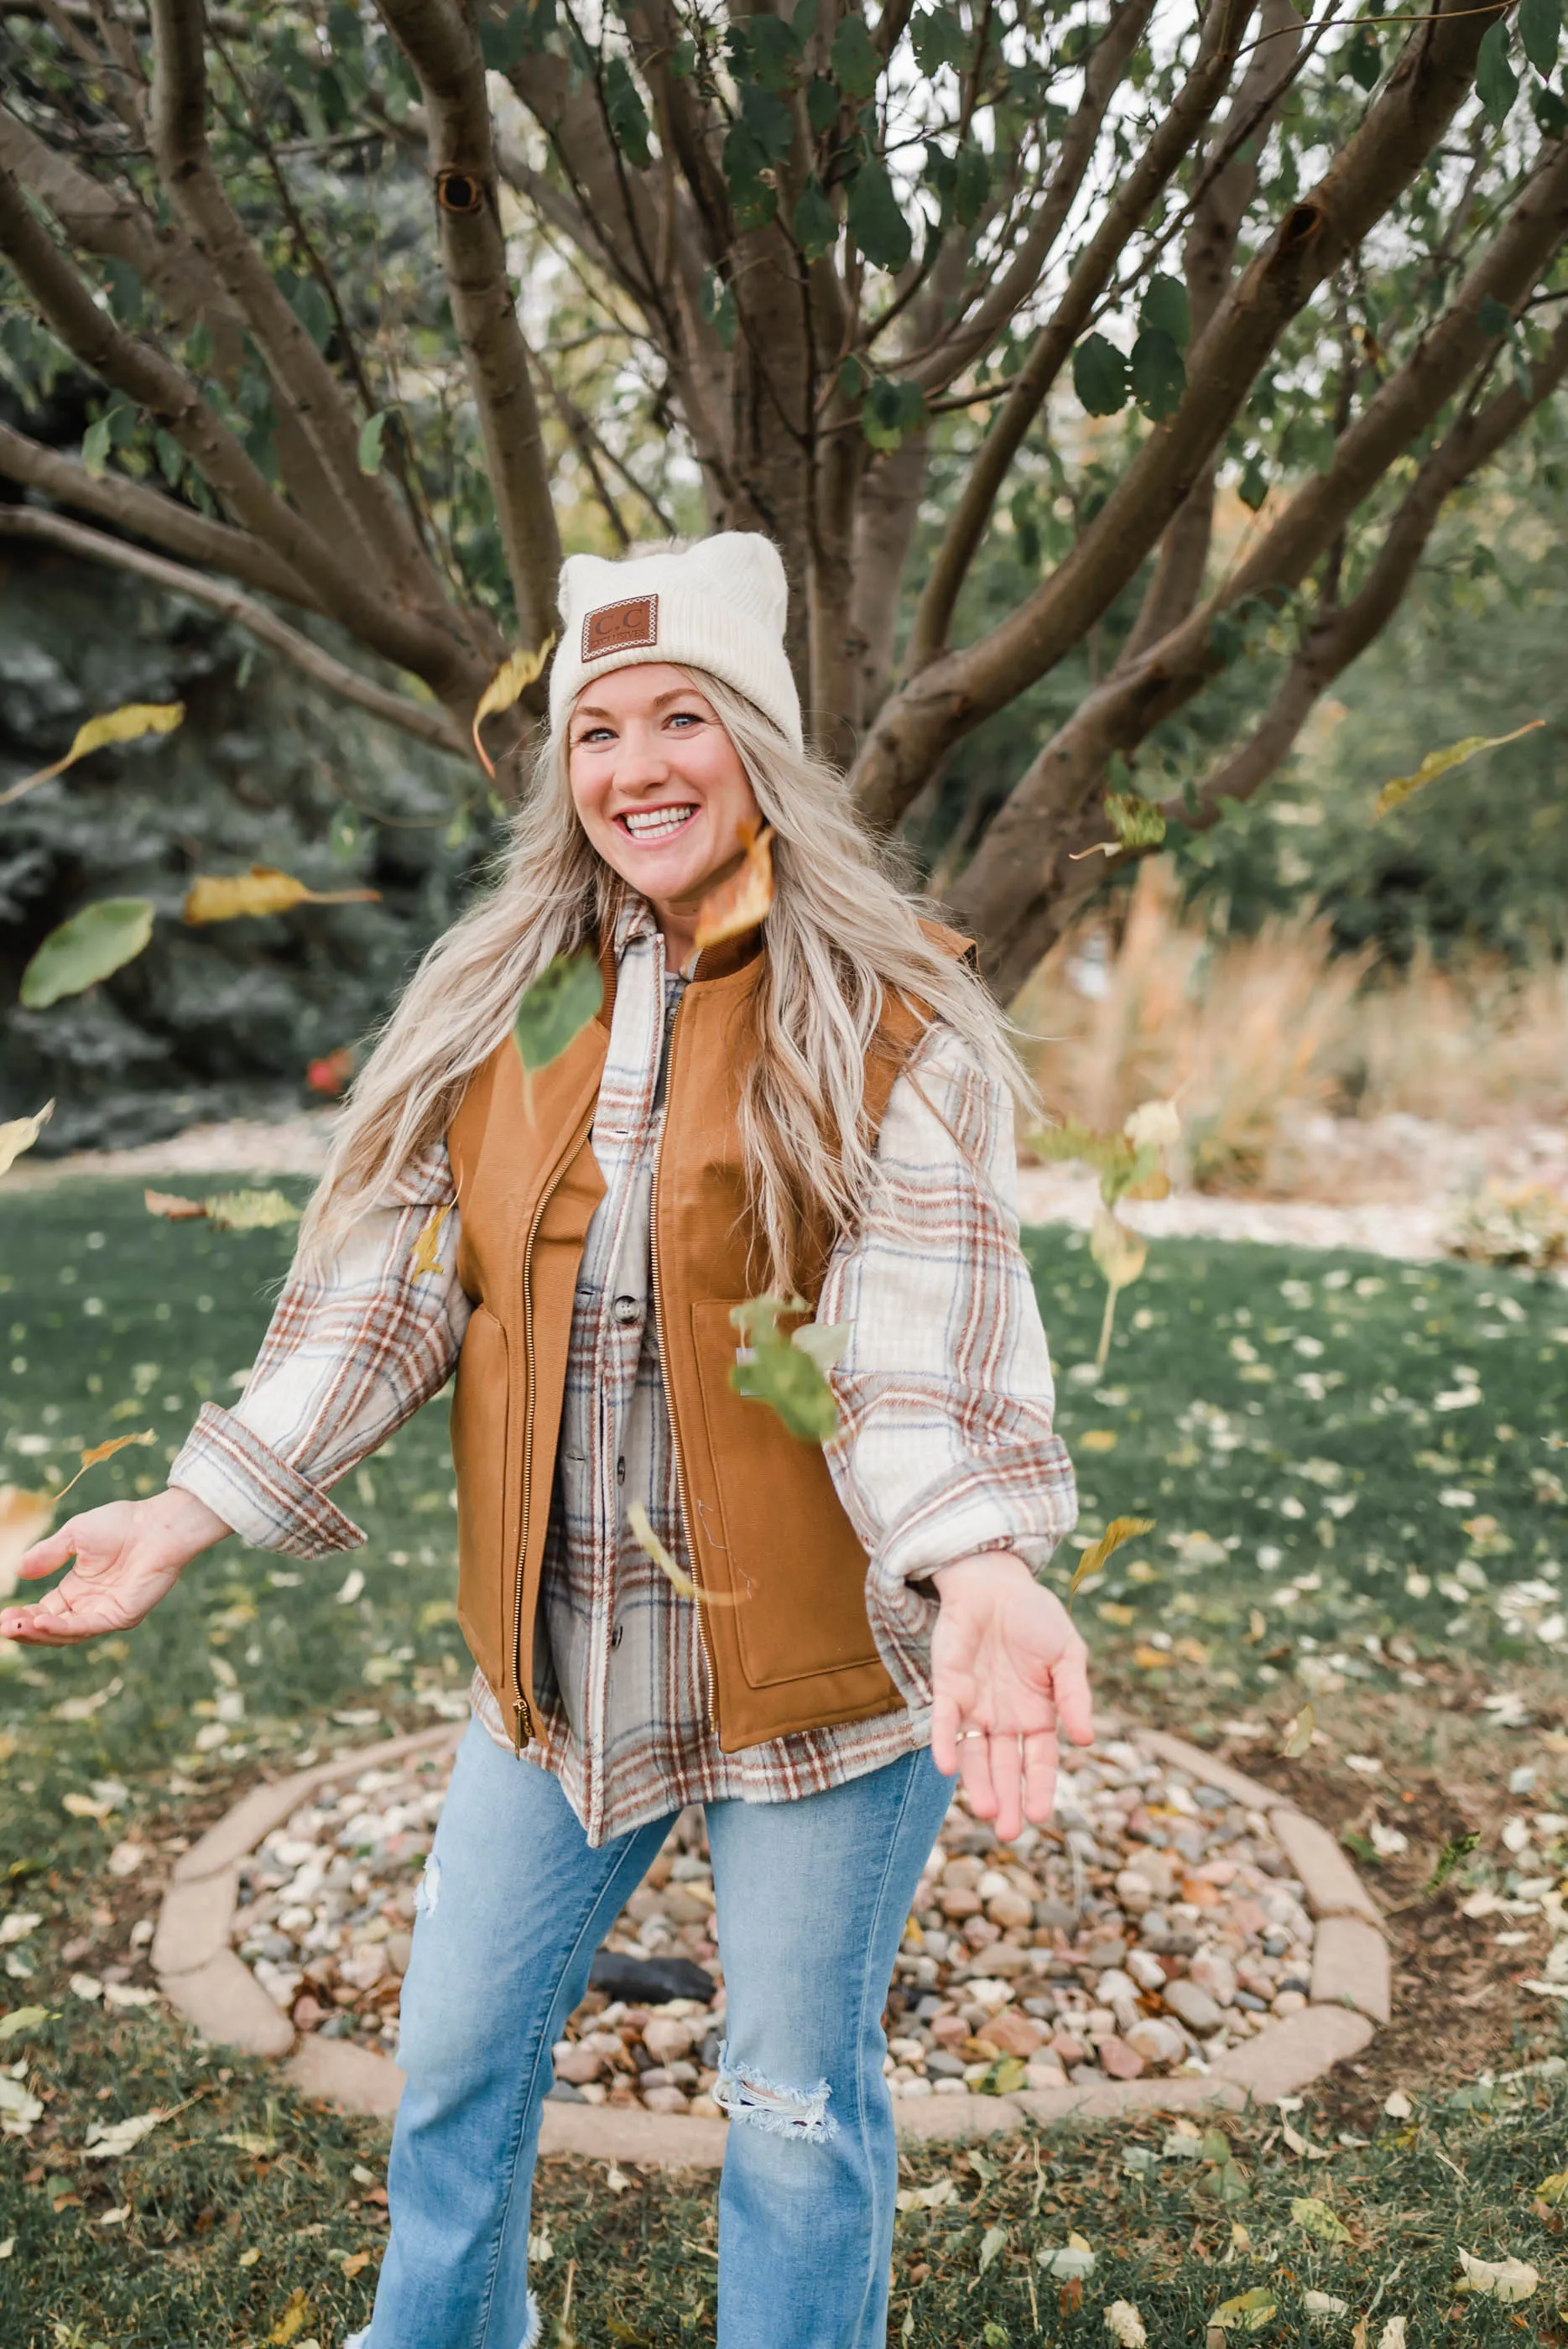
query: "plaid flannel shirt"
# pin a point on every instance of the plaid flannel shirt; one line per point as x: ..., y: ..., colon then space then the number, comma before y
x: 945, y: 1445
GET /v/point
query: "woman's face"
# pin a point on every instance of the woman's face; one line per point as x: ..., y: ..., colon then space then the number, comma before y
x: 659, y: 787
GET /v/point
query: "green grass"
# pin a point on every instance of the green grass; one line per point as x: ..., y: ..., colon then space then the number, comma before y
x: 1265, y: 1584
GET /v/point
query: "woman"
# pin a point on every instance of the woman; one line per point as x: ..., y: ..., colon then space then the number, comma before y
x: 823, y: 1106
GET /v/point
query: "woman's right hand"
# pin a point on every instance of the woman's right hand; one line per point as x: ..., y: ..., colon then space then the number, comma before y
x: 128, y: 1553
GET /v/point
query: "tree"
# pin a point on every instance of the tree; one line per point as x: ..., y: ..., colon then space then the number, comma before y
x: 1081, y: 273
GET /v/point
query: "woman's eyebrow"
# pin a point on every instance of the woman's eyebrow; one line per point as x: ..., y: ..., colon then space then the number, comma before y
x: 660, y: 702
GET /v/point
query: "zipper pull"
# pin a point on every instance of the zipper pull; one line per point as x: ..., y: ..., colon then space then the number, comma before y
x: 522, y: 1723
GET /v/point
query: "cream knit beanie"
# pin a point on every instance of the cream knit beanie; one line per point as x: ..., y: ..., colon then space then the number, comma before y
x: 718, y: 606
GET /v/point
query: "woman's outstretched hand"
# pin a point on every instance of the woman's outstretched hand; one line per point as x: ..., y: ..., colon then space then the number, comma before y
x: 1009, y: 1673
x: 127, y: 1555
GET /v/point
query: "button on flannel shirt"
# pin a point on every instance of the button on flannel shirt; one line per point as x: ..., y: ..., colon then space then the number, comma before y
x: 945, y: 1443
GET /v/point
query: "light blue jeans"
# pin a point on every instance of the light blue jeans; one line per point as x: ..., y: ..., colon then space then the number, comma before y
x: 811, y: 1896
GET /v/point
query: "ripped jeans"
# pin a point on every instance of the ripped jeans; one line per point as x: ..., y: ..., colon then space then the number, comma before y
x: 812, y: 1900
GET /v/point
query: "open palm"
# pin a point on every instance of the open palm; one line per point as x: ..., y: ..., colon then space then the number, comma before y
x: 1009, y: 1672
x: 129, y: 1555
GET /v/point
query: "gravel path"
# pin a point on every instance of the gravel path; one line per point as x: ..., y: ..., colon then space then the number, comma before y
x: 1155, y: 1923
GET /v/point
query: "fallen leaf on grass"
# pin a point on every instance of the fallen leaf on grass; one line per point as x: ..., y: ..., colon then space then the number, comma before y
x: 1124, y: 2325
x: 1393, y: 2335
x: 1297, y: 1739
x: 1071, y: 2262
x: 1304, y: 2146
x: 647, y: 1541
x: 8, y: 2246
x: 1314, y: 2218
x: 739, y: 904
x: 19, y: 1133
x: 1324, y: 2303
x: 1506, y: 2280
x: 1245, y: 2314
x: 297, y: 2310
x: 248, y: 2259
x: 992, y: 2243
x: 226, y: 896
x: 926, y: 2198
x: 352, y: 2262
x: 106, y: 2141
x: 1551, y: 2191
x: 1119, y: 1530
x: 19, y: 2108
x: 22, y: 2018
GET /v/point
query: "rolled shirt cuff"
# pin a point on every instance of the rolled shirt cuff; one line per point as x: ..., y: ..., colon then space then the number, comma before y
x: 269, y: 1505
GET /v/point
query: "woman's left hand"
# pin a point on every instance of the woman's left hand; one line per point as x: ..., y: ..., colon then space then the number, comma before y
x: 1009, y: 1671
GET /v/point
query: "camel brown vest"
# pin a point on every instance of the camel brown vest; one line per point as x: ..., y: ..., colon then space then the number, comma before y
x: 763, y: 1520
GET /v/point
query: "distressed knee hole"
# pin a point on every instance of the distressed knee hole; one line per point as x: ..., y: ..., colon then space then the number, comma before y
x: 764, y: 2103
x: 428, y: 1890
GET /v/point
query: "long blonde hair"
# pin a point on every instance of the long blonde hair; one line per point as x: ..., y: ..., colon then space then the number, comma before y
x: 842, y: 934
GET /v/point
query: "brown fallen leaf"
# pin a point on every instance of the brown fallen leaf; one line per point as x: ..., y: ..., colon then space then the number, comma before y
x: 740, y: 903
x: 225, y: 896
x: 171, y: 1204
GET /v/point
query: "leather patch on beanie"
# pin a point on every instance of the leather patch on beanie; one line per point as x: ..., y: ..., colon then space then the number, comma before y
x: 616, y: 627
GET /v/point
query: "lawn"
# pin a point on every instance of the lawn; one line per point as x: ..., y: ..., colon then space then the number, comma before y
x: 1357, y: 1477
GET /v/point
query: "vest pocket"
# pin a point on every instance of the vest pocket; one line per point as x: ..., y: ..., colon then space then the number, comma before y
x: 765, y: 1513
x: 479, y: 1456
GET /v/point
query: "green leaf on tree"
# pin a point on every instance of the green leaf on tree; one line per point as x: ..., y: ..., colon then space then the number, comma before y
x: 372, y: 433
x: 816, y: 224
x: 1099, y: 376
x: 1361, y: 57
x: 629, y: 126
x: 788, y: 1373
x: 1158, y: 374
x: 752, y: 200
x: 1549, y: 112
x: 1541, y: 32
x: 767, y: 50
x: 95, y: 442
x: 1253, y: 486
x: 1165, y: 310
x: 971, y: 182
x: 853, y: 57
x: 1497, y: 84
x: 821, y: 103
x: 767, y: 118
x: 502, y: 39
x: 86, y: 948
x: 1494, y: 318
x: 938, y: 39
x: 567, y: 994
x: 876, y: 222
x: 892, y: 411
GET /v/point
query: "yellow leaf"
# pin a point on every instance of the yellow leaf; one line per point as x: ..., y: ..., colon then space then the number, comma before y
x: 1438, y: 763
x: 1192, y: 1652
x: 1298, y: 1736
x: 424, y: 1258
x: 171, y: 1205
x: 1555, y: 2189
x: 225, y: 896
x: 1119, y: 1530
x: 354, y: 2261
x: 90, y: 1459
x: 1150, y: 1659
x: 1314, y: 2218
x: 511, y: 680
x: 740, y: 903
x: 296, y: 2311
x: 647, y: 1541
x: 24, y: 1519
x: 250, y: 1211
x: 127, y: 724
x: 1507, y: 2280
x: 19, y: 1133
x: 1097, y: 1439
x: 248, y: 2259
x: 1110, y: 1611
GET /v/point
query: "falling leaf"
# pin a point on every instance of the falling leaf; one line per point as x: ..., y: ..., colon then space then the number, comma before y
x: 740, y: 903
x: 352, y: 1585
x: 104, y: 1451
x: 992, y: 2241
x: 1097, y: 1439
x: 1119, y: 1530
x: 1153, y: 1125
x: 1136, y: 822
x: 788, y: 1373
x: 127, y: 724
x: 86, y: 948
x: 1507, y: 2280
x: 557, y: 1007
x: 511, y: 681
x: 1438, y: 763
x: 250, y: 1211
x: 647, y: 1541
x: 424, y: 1258
x: 1121, y: 1256
x: 1298, y: 1736
x: 225, y: 896
x: 20, y: 2019
x: 1314, y: 2218
x: 1246, y: 2313
x: 24, y: 1519
x: 172, y: 1206
x: 108, y: 2142
x: 1124, y: 2325
x: 19, y: 1133
x: 297, y: 2310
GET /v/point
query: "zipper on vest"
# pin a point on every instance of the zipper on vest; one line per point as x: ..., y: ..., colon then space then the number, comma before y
x: 522, y: 1712
x: 664, y: 1376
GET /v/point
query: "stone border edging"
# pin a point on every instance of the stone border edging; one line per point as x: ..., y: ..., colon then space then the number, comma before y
x: 206, y: 1979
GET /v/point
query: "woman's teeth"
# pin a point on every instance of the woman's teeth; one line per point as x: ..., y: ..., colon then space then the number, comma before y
x: 657, y: 823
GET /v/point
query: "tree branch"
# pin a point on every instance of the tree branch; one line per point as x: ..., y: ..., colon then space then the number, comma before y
x: 347, y: 683
x: 1170, y: 142
x: 1435, y: 74
x: 134, y: 507
x: 443, y: 47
